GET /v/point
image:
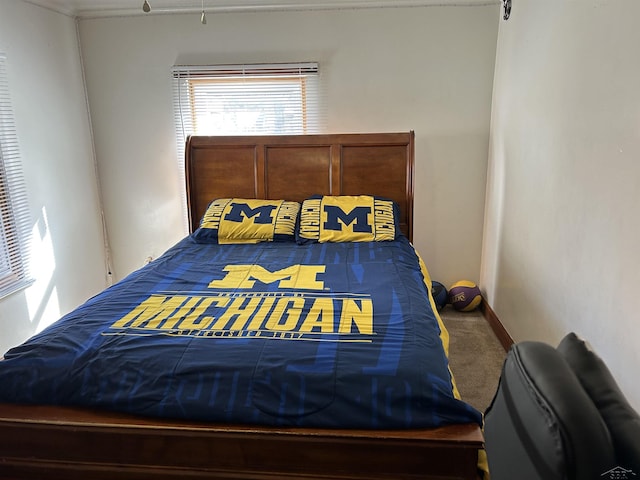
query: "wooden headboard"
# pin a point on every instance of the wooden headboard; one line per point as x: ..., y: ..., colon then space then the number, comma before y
x: 294, y: 167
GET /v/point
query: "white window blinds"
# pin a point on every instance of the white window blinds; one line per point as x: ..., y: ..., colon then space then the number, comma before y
x: 14, y: 209
x: 247, y: 99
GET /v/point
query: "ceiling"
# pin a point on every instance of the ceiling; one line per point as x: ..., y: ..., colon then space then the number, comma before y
x: 104, y: 8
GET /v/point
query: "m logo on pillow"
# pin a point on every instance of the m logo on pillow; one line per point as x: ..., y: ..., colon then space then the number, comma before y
x: 262, y: 214
x: 361, y: 218
x: 238, y: 220
x: 358, y: 219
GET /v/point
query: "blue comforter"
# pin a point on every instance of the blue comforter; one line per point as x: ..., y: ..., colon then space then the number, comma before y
x: 336, y: 335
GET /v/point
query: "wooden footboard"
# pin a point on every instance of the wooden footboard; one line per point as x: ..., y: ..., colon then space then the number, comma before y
x: 63, y: 443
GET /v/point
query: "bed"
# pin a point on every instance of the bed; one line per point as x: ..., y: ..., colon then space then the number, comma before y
x: 255, y: 428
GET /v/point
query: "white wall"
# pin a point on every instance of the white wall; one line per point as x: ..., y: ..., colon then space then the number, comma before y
x: 429, y: 69
x: 562, y: 236
x: 45, y: 81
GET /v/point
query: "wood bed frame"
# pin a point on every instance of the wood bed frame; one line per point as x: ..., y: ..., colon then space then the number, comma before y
x: 47, y: 442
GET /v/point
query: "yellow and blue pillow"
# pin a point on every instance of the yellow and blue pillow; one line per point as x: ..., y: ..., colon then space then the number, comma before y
x: 346, y: 218
x: 242, y: 220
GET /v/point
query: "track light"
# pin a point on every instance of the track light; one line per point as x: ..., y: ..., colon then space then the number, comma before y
x: 146, y: 8
x: 203, y: 16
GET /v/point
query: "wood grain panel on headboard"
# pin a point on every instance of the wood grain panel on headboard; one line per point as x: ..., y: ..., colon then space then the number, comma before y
x: 294, y: 167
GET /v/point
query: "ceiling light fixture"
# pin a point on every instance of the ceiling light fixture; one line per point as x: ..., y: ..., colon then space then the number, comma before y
x: 146, y: 8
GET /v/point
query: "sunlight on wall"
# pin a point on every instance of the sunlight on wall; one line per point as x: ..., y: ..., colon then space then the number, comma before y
x: 42, y: 296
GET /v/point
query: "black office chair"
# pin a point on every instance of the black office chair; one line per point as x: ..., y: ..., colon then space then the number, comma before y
x: 559, y: 414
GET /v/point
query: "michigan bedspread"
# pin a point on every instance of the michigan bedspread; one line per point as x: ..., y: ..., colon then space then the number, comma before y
x: 337, y: 335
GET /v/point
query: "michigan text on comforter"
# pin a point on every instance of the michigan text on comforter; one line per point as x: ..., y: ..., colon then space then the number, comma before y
x: 308, y: 312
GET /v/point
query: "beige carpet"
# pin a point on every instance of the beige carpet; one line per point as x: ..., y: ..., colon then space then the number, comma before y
x: 475, y: 355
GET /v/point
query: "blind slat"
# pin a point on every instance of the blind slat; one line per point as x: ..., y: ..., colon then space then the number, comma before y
x: 248, y: 70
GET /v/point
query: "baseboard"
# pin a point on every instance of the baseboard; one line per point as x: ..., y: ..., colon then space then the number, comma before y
x: 496, y: 325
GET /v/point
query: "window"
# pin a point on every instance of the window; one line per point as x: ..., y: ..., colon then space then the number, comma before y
x: 14, y: 211
x: 265, y: 99
x: 247, y: 99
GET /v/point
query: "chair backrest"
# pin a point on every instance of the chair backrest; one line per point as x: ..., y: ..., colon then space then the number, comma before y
x: 622, y: 421
x: 541, y: 424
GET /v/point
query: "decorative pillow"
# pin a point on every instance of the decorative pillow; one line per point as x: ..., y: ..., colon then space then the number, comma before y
x: 361, y: 218
x: 241, y: 220
x: 596, y: 379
